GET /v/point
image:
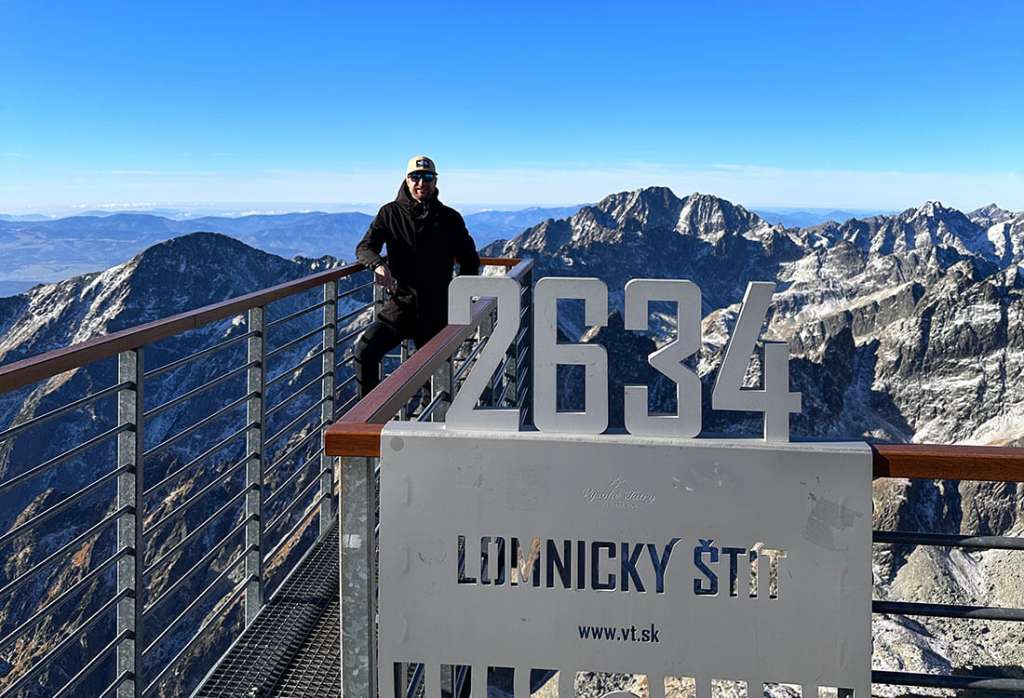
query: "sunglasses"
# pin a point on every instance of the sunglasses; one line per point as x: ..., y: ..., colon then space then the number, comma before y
x: 425, y: 176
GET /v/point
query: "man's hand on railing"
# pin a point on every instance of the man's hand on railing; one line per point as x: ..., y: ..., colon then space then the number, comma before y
x: 382, y: 275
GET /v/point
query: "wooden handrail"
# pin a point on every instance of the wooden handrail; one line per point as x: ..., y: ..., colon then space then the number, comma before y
x: 358, y: 430
x: 937, y: 462
x: 924, y: 461
x: 36, y: 368
x: 508, y: 262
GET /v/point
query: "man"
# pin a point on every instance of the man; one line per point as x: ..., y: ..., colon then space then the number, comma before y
x: 423, y: 237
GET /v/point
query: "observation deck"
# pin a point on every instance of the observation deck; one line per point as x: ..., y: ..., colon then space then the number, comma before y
x: 187, y: 541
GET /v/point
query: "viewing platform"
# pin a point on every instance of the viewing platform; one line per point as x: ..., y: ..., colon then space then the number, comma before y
x: 213, y: 530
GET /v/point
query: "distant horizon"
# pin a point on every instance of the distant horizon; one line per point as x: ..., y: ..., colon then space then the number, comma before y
x: 746, y: 186
x: 236, y: 209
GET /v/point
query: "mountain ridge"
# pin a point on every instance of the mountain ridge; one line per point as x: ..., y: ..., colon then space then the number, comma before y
x: 902, y: 327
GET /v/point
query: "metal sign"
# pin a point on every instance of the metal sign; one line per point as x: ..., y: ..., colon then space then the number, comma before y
x: 667, y: 557
x: 774, y: 399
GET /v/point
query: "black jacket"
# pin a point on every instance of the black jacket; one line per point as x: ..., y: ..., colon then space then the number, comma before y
x: 424, y: 240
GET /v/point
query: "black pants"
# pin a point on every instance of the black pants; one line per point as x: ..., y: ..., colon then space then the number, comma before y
x: 380, y: 338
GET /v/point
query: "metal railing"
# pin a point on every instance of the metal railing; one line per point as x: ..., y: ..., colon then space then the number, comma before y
x: 197, y: 485
x: 356, y: 436
x: 194, y: 482
x: 950, y: 464
x: 197, y: 468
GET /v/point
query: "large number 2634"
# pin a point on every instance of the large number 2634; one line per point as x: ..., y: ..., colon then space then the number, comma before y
x: 774, y: 399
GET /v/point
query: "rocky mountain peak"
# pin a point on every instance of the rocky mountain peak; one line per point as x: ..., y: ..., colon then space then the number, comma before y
x: 639, y: 209
x: 195, y: 270
x: 710, y: 217
x: 933, y: 209
x: 931, y: 225
x: 990, y: 215
x: 168, y: 278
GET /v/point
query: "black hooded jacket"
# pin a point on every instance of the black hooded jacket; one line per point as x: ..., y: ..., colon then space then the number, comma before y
x: 424, y: 240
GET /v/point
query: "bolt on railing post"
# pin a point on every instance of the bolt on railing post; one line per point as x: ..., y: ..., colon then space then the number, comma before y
x: 130, y: 448
x: 255, y: 381
x: 358, y: 563
x: 327, y: 409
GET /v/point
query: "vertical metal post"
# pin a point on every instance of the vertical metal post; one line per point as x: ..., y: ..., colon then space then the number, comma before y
x: 358, y: 578
x: 527, y: 396
x: 483, y: 334
x: 405, y: 414
x: 512, y: 367
x: 255, y: 380
x: 327, y: 409
x: 378, y: 303
x: 129, y: 526
x: 441, y: 382
x: 451, y: 384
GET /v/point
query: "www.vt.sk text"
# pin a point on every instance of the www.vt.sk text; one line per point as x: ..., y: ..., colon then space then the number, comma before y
x: 620, y: 634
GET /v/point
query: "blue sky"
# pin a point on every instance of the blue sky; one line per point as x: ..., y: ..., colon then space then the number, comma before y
x: 865, y: 104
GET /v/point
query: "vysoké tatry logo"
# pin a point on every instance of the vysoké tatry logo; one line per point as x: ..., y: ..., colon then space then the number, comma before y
x: 617, y: 494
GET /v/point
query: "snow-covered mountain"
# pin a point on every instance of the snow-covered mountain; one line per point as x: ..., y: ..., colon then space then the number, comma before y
x: 907, y: 327
x: 1004, y: 229
x: 171, y: 277
x: 922, y: 296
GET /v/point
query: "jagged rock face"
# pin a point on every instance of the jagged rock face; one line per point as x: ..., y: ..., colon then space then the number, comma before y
x: 907, y: 327
x: 987, y: 216
x: 931, y: 225
x: 919, y: 312
x: 1005, y: 230
x: 652, y: 233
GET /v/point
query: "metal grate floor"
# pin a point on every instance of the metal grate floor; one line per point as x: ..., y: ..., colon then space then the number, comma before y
x: 293, y: 647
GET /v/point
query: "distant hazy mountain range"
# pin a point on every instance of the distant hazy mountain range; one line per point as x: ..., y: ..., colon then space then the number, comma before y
x: 805, y: 217
x: 40, y: 250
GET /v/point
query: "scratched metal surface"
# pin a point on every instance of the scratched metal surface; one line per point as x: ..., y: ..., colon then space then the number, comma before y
x: 811, y: 500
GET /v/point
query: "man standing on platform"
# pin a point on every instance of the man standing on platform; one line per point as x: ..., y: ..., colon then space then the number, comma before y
x: 424, y: 238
